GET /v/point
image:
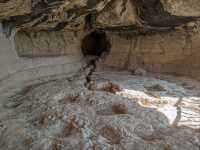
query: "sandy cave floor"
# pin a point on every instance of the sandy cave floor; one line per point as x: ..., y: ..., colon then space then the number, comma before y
x: 115, y: 110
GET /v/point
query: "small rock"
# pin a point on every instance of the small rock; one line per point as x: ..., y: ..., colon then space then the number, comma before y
x: 140, y: 72
x: 191, y: 25
x: 144, y: 130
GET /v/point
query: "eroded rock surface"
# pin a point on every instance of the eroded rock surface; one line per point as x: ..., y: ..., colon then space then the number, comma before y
x: 118, y: 111
x: 75, y: 74
x: 55, y: 15
x: 182, y: 8
x: 173, y: 52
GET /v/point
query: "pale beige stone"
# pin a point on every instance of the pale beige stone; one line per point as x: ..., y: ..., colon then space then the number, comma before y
x: 119, y: 13
x: 182, y: 7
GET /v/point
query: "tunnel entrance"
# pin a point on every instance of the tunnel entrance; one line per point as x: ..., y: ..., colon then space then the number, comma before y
x: 95, y: 44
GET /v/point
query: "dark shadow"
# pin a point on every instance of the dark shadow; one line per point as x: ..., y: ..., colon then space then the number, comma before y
x: 95, y: 44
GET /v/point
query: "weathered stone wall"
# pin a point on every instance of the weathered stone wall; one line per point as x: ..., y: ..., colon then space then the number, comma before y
x: 14, y: 7
x: 119, y: 13
x: 44, y: 44
x: 182, y: 7
x: 176, y: 52
x: 17, y: 72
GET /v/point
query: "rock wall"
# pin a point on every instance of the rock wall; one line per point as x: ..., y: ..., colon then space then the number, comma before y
x: 182, y: 8
x: 17, y: 72
x: 175, y: 52
x: 50, y: 34
x: 45, y: 44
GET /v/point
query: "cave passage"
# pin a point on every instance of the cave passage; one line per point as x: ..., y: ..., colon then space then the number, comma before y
x: 95, y: 44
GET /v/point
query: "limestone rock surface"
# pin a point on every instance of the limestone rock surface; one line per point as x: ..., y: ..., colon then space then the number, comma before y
x: 182, y: 8
x: 121, y: 111
x: 55, y: 15
x: 86, y: 74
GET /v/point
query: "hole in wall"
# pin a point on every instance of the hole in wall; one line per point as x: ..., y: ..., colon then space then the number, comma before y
x: 95, y: 44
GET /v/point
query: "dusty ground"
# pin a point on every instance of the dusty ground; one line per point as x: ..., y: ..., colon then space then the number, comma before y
x: 104, y: 110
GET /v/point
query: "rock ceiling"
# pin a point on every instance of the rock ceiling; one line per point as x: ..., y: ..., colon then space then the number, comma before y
x: 140, y: 15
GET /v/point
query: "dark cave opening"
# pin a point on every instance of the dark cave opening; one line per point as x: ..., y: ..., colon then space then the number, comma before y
x: 95, y: 44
